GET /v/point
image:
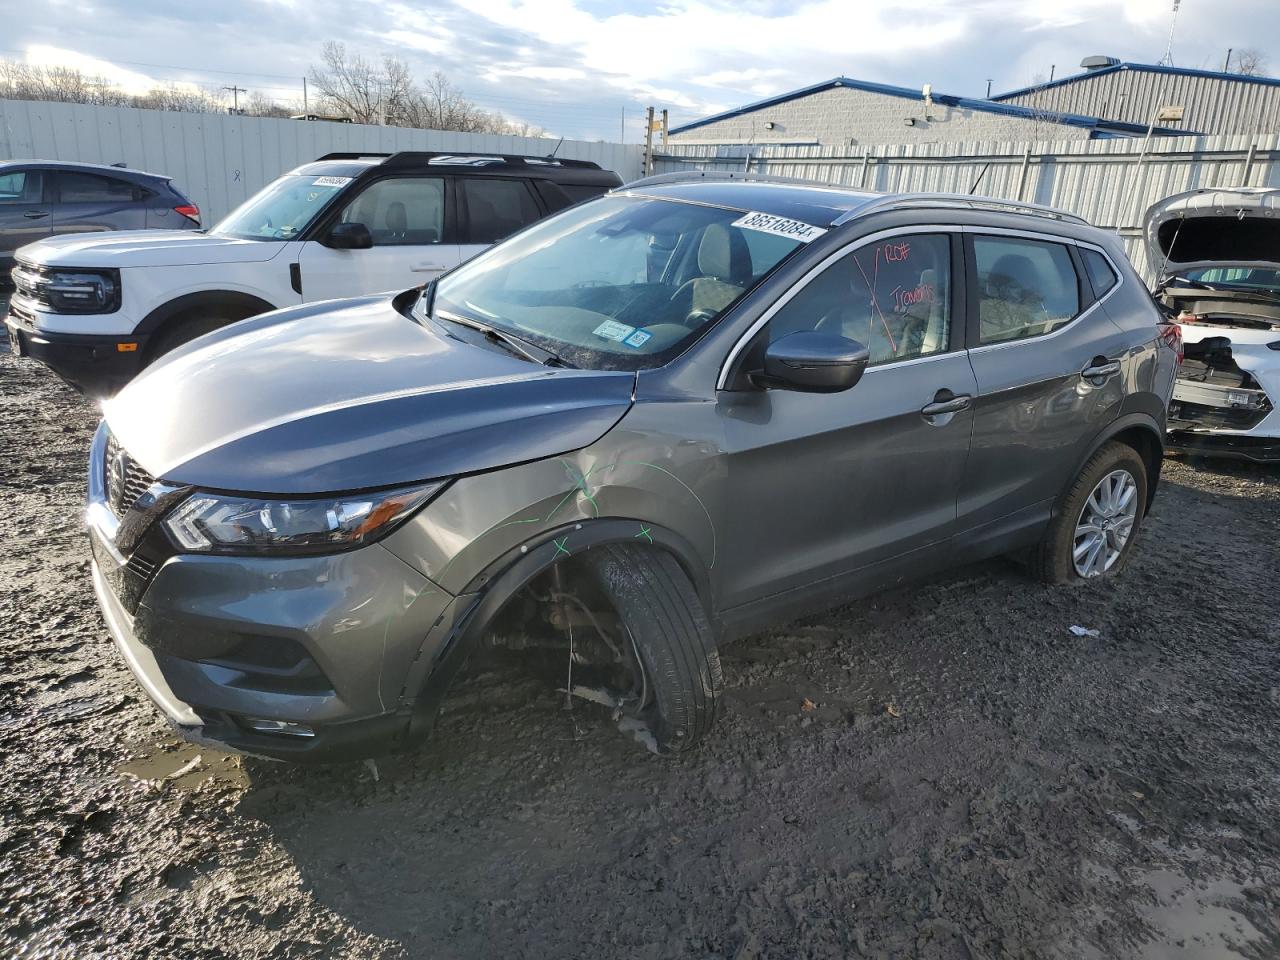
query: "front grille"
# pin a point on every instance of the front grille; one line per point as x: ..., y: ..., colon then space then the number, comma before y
x: 125, y: 480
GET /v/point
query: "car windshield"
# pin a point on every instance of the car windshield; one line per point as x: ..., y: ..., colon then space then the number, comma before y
x: 1247, y: 278
x: 282, y: 209
x: 617, y: 283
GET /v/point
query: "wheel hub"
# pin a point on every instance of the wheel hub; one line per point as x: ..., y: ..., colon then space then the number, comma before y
x: 1105, y: 524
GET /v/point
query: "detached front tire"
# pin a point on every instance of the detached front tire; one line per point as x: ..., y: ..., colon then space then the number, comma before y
x: 663, y: 619
x: 1093, y: 532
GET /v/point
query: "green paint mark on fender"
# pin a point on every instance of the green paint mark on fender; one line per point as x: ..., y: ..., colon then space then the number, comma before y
x: 644, y: 532
x: 560, y: 546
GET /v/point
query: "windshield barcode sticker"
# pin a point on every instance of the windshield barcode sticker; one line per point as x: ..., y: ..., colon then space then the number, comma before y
x: 330, y: 181
x: 613, y: 330
x: 779, y: 226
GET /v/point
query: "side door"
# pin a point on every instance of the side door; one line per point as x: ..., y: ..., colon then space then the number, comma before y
x: 832, y: 487
x: 408, y: 219
x: 90, y: 203
x: 491, y: 209
x: 1047, y: 361
x: 24, y: 210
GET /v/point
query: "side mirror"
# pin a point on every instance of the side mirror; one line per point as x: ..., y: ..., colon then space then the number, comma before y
x: 813, y: 362
x: 349, y: 236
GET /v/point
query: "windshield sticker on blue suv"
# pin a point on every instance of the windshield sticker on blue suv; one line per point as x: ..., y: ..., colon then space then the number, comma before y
x: 638, y: 339
x: 778, y: 226
x: 613, y: 330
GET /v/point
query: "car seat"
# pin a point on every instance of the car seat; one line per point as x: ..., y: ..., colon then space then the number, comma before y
x: 397, y: 222
x: 724, y: 265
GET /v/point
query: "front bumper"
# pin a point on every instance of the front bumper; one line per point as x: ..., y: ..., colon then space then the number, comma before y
x: 323, y: 645
x: 94, y: 365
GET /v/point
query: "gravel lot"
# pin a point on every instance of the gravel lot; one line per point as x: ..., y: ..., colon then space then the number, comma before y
x: 1030, y: 794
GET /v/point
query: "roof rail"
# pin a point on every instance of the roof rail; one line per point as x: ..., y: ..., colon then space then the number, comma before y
x: 351, y: 156
x: 479, y: 158
x: 895, y: 201
x: 682, y: 176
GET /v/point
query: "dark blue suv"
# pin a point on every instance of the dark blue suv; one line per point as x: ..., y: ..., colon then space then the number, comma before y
x: 45, y: 198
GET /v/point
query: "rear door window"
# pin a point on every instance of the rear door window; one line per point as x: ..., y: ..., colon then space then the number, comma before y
x: 1024, y: 288
x: 494, y: 209
x: 91, y: 188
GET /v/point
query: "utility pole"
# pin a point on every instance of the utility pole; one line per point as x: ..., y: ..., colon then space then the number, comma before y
x: 665, y: 129
x: 622, y: 131
x: 305, y: 109
x: 648, y: 141
x: 988, y: 88
x: 235, y: 97
x: 1226, y: 65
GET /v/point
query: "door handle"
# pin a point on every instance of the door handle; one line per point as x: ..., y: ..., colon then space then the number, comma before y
x: 946, y: 402
x: 1100, y: 370
x: 36, y: 214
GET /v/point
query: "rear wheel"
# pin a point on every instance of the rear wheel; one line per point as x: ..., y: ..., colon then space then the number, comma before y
x: 1097, y: 524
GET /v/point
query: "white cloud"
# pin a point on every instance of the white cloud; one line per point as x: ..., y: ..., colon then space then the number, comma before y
x: 130, y: 81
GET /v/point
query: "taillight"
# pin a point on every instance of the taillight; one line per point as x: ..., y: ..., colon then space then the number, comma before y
x: 1171, y: 334
x: 189, y: 210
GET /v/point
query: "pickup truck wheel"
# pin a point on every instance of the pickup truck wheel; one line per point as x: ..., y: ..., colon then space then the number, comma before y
x: 1094, y: 531
x: 175, y: 335
x: 677, y: 677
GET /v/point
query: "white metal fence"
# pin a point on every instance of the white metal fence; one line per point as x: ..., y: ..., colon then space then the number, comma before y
x: 1109, y: 182
x: 220, y: 160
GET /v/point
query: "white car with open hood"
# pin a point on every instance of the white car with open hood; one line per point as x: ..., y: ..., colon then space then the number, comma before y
x: 1218, y: 256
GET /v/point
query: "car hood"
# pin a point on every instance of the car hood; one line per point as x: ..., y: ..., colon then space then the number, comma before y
x: 351, y: 395
x: 146, y: 248
x: 1214, y: 227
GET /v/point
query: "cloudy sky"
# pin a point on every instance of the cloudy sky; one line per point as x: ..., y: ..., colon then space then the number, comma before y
x: 575, y: 67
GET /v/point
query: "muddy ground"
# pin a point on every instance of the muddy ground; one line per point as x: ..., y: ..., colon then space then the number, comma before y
x: 1031, y: 793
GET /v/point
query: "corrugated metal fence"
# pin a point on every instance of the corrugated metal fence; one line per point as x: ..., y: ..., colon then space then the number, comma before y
x: 1109, y: 182
x: 221, y: 160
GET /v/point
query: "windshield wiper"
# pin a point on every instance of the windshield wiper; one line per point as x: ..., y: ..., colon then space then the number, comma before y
x: 513, y: 344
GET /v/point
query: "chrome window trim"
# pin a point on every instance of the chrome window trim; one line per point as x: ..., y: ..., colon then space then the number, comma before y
x: 1064, y: 241
x: 854, y: 245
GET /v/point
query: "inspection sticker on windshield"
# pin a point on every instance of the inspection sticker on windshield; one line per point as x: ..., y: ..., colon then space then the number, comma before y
x: 613, y: 330
x: 638, y: 339
x: 779, y: 226
x: 330, y: 181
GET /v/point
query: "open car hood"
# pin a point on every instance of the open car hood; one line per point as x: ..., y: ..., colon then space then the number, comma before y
x: 1237, y: 227
x: 347, y: 396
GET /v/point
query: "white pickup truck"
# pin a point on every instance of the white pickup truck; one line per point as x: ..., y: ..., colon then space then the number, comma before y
x: 98, y: 308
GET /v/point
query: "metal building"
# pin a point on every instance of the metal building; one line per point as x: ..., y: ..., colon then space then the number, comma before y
x: 843, y: 113
x: 1201, y: 101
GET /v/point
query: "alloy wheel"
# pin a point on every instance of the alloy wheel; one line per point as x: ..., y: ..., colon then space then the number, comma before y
x: 1105, y: 524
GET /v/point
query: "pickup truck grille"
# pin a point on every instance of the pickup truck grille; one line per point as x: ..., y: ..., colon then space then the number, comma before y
x: 124, y: 478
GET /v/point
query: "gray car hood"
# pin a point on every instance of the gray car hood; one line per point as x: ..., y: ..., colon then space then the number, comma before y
x: 1220, y: 227
x: 335, y: 397
x: 147, y: 248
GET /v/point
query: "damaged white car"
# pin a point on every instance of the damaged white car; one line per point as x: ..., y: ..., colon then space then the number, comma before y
x: 1218, y: 254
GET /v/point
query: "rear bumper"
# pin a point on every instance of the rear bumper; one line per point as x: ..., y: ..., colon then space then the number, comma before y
x: 94, y: 365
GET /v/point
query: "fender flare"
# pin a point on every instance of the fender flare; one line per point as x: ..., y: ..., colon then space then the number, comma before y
x: 244, y: 303
x: 1129, y: 421
x: 430, y: 677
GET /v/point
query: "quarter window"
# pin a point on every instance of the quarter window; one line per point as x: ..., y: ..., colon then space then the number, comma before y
x: 496, y: 208
x: 893, y: 297
x: 1101, y: 276
x: 21, y: 186
x: 1026, y: 288
x: 401, y: 212
x: 88, y: 188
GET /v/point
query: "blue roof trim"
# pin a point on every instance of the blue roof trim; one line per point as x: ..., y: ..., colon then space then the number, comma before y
x: 1146, y: 68
x: 964, y: 103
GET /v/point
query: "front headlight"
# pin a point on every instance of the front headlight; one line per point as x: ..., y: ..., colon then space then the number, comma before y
x: 214, y: 523
x: 70, y: 289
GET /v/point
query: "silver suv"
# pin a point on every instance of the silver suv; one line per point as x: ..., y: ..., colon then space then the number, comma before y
x: 630, y: 433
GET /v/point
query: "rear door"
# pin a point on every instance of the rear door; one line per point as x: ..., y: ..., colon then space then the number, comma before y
x: 91, y: 202
x: 1047, y: 361
x: 491, y: 209
x: 823, y: 486
x: 409, y: 220
x: 24, y: 210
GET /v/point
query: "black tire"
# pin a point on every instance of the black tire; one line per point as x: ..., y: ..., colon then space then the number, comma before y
x: 664, y: 619
x: 176, y: 334
x: 1052, y: 559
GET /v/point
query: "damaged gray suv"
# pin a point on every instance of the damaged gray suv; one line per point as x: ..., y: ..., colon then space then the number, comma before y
x: 632, y: 432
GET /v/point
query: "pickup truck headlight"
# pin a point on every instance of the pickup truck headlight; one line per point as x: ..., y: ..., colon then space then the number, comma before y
x: 70, y: 289
x: 214, y: 523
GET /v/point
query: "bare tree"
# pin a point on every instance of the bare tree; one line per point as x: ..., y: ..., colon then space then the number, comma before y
x: 1251, y: 62
x: 351, y: 86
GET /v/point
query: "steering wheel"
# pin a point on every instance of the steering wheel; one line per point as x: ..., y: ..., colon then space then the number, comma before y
x: 702, y: 315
